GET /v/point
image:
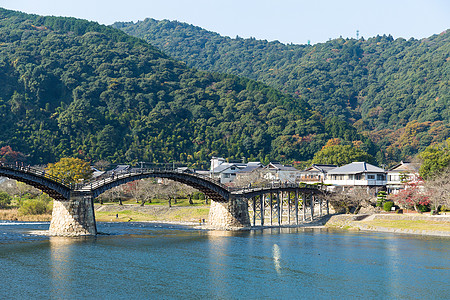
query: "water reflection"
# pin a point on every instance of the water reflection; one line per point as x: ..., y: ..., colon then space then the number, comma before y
x: 61, y: 266
x: 218, y: 250
x: 276, y: 258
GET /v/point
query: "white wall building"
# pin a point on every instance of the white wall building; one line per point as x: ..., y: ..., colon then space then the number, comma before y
x: 357, y: 174
x: 279, y: 173
x: 316, y: 173
x: 226, y: 172
x: 400, y: 174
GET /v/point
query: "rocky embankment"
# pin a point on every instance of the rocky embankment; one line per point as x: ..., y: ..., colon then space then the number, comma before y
x: 419, y: 224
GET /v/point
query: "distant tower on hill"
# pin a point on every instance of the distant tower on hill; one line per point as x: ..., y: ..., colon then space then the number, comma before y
x: 357, y: 34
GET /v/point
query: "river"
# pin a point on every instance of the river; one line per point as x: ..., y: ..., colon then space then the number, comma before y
x: 157, y: 261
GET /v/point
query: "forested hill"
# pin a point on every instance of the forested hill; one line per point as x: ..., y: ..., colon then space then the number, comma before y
x: 71, y: 87
x: 398, y: 90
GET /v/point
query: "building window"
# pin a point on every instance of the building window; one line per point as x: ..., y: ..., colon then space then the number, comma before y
x: 370, y: 176
x: 380, y: 177
x: 226, y: 175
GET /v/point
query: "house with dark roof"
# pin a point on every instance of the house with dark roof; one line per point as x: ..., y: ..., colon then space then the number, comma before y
x: 252, y: 173
x: 315, y: 173
x: 357, y: 174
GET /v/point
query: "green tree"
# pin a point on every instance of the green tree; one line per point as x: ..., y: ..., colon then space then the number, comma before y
x: 341, y: 155
x: 70, y: 169
x: 5, y: 199
x: 435, y: 158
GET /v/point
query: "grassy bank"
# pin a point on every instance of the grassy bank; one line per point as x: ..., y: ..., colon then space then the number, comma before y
x: 410, y: 223
x: 14, y: 215
x: 130, y: 211
x: 137, y: 213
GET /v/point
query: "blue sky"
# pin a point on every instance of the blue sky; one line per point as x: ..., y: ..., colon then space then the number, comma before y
x: 288, y: 21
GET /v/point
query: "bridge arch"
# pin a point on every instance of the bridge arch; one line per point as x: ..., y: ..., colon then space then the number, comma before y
x: 213, y: 190
x: 48, y: 184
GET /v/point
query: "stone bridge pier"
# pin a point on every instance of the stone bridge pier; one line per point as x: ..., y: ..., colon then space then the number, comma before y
x: 73, y: 217
x: 230, y: 215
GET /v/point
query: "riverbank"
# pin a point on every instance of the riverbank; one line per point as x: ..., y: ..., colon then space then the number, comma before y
x: 13, y: 214
x: 419, y: 224
x: 151, y: 213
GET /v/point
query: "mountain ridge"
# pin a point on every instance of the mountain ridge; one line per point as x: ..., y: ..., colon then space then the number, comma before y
x: 77, y: 88
x: 380, y: 85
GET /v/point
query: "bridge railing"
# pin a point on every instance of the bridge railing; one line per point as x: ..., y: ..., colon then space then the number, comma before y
x: 274, y: 185
x: 112, y: 176
x: 37, y: 172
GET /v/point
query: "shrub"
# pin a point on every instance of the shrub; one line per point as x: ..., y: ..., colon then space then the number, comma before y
x: 198, y: 196
x: 381, y: 198
x: 38, y: 206
x: 5, y: 199
x: 388, y: 205
x: 423, y: 207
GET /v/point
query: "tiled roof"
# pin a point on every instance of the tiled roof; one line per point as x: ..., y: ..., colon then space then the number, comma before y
x: 321, y: 168
x: 249, y: 168
x: 406, y: 166
x: 356, y: 168
x: 121, y: 168
x: 280, y: 167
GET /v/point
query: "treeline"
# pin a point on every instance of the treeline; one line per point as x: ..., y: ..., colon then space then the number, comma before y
x: 380, y: 85
x: 73, y: 88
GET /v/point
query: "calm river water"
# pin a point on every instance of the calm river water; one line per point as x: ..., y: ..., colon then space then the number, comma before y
x: 151, y: 261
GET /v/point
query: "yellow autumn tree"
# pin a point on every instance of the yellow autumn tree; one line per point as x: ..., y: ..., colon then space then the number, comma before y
x: 71, y: 170
x: 332, y: 142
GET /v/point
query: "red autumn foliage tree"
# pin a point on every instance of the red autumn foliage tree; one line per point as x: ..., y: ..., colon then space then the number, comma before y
x: 412, y: 195
x: 8, y: 155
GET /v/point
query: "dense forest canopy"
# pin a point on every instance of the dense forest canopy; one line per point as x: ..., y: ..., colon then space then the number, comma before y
x: 396, y: 91
x: 76, y: 88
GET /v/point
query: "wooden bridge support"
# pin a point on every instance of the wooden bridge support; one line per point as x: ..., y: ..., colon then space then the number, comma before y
x: 271, y: 208
x: 73, y: 217
x: 279, y: 207
x: 304, y: 207
x: 296, y: 207
x: 263, y: 209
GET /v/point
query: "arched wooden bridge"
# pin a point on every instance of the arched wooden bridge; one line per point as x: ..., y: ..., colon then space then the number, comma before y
x: 260, y: 199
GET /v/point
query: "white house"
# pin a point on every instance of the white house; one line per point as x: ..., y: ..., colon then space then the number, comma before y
x: 226, y: 172
x: 316, y: 173
x: 279, y: 173
x: 400, y: 174
x: 357, y: 174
